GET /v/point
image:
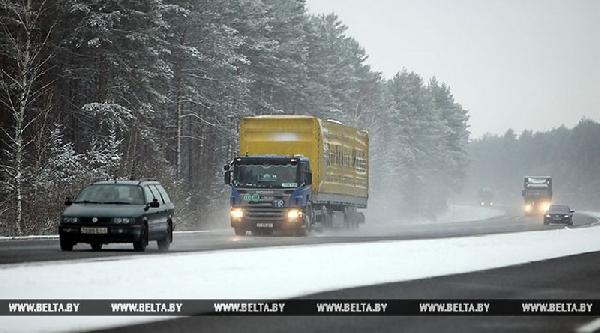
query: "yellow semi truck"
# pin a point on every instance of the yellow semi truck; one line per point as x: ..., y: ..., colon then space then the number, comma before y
x: 295, y: 171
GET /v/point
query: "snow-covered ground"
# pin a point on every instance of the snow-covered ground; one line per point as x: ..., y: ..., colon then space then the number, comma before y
x: 455, y: 213
x: 466, y: 213
x: 291, y: 271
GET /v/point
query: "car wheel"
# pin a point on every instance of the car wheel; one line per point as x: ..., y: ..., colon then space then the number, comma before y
x: 164, y: 244
x: 140, y: 244
x: 239, y: 232
x: 66, y: 245
x: 96, y: 246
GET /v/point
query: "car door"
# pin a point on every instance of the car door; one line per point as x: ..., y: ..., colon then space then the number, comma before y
x: 162, y: 227
x: 153, y: 215
x: 169, y: 206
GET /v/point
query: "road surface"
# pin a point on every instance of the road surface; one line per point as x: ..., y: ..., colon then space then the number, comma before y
x: 19, y: 251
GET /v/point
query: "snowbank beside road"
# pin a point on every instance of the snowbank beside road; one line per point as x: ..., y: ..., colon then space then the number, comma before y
x: 290, y: 271
x: 466, y: 213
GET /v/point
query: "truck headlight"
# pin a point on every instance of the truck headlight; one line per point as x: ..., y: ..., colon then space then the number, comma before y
x: 122, y: 220
x: 236, y: 213
x: 69, y: 219
x: 294, y: 214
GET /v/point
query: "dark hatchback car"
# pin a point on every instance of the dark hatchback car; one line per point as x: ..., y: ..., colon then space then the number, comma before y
x: 118, y: 211
x: 559, y: 214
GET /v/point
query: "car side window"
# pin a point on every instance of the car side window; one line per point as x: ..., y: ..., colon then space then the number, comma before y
x: 149, y: 194
x: 163, y: 193
x: 155, y: 189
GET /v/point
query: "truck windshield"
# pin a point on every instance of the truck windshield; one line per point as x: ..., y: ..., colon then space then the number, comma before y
x: 263, y: 175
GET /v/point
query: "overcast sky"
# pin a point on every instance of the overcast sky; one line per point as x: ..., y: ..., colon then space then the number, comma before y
x: 521, y: 64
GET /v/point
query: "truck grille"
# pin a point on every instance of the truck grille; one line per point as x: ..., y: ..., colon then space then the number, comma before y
x: 265, y: 214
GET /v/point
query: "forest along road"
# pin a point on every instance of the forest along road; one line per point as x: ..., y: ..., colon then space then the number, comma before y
x: 22, y: 251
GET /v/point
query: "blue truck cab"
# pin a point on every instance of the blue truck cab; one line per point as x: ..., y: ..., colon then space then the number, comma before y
x: 270, y: 193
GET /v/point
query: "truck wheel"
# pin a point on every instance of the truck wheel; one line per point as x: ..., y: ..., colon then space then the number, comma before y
x: 306, y: 230
x: 140, y: 244
x: 361, y: 218
x: 326, y: 217
x: 240, y: 232
x: 96, y: 246
x: 66, y: 245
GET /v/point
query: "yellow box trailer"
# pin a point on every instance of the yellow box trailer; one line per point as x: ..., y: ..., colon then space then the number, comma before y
x: 337, y: 153
x: 332, y: 169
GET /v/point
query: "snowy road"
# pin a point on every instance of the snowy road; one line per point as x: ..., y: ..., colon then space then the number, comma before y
x: 21, y: 251
x: 199, y: 268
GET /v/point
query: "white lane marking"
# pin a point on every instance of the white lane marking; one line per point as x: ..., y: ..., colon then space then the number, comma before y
x: 590, y: 327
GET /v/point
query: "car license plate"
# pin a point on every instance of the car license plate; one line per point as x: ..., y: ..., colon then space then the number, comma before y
x: 557, y: 218
x: 264, y: 225
x: 94, y: 231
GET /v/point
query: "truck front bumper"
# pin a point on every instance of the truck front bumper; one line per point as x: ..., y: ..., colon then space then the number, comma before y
x: 267, y: 218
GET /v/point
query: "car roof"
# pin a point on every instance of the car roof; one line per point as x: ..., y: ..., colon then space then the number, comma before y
x: 126, y: 182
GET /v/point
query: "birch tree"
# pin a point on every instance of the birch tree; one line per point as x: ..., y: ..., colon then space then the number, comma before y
x: 23, y: 84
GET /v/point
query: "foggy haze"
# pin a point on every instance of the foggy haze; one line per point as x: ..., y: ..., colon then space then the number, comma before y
x: 512, y: 64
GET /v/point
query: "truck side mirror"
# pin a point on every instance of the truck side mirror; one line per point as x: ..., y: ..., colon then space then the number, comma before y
x: 68, y: 201
x: 227, y: 177
x: 309, y: 178
x: 522, y: 193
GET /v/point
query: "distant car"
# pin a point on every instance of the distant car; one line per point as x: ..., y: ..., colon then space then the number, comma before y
x: 559, y: 214
x: 486, y: 203
x: 118, y: 211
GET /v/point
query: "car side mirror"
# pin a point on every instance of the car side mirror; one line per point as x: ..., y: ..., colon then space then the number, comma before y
x: 572, y: 211
x: 154, y: 203
x: 68, y: 201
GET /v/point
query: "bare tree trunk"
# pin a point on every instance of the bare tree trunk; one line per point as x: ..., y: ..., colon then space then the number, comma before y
x: 178, y: 103
x: 20, y: 119
x: 20, y: 92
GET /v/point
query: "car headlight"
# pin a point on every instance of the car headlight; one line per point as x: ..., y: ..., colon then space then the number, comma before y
x: 547, y: 215
x: 70, y: 219
x: 236, y: 213
x: 294, y: 214
x: 122, y: 220
x: 567, y: 215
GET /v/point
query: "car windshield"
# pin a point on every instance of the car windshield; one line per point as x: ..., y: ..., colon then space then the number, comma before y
x: 112, y: 194
x: 559, y: 209
x: 261, y: 175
